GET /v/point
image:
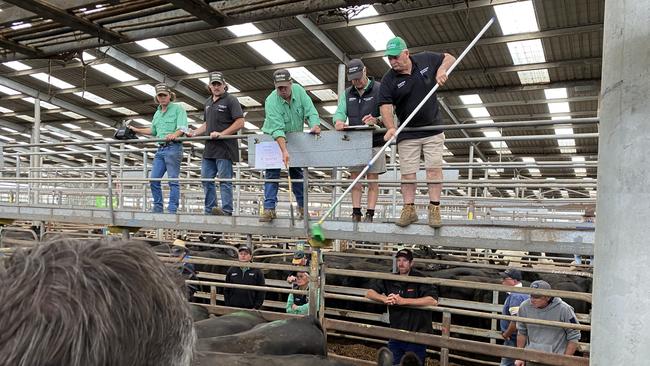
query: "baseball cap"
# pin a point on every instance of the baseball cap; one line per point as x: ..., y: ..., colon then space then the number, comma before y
x: 395, y: 46
x: 540, y: 284
x: 282, y: 78
x: 162, y: 88
x: 355, y: 69
x: 298, y: 256
x: 216, y: 76
x: 406, y: 253
x: 515, y: 274
x: 244, y: 247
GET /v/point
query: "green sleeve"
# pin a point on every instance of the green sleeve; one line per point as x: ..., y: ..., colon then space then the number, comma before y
x: 181, y: 117
x: 153, y: 124
x: 273, y: 121
x: 311, y: 114
x: 289, y: 303
x: 304, y: 309
x: 342, y: 109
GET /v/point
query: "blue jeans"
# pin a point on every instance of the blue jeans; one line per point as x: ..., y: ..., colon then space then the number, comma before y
x: 399, y: 348
x: 222, y: 169
x: 509, y: 361
x: 271, y: 188
x: 167, y: 159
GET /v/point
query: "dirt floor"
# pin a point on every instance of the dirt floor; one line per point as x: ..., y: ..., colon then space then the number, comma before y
x: 363, y: 351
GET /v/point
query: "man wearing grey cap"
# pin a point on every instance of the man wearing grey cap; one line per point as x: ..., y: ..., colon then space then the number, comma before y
x: 511, y: 277
x: 169, y: 122
x: 359, y: 106
x: 403, y: 87
x: 223, y: 116
x: 286, y: 110
x: 542, y: 337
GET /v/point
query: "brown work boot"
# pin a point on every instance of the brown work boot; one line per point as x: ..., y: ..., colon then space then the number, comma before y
x: 218, y: 211
x: 434, y: 215
x: 408, y: 216
x: 368, y: 217
x: 268, y: 215
x: 356, y: 217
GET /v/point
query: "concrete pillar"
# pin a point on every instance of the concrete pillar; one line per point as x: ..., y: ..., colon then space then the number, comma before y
x: 340, y: 86
x: 35, y: 160
x: 620, y: 316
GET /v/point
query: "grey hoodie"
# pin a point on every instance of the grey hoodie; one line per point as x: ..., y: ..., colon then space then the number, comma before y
x: 543, y: 337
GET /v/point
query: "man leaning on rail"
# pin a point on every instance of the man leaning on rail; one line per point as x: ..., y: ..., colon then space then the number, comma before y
x: 169, y: 122
x: 405, y: 294
x: 286, y: 110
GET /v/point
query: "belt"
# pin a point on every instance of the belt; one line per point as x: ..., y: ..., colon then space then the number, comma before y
x: 168, y: 143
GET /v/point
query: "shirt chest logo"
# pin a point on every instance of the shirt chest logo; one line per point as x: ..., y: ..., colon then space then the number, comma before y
x: 424, y: 70
x: 222, y: 108
x: 367, y: 99
x: 352, y: 99
x: 401, y: 84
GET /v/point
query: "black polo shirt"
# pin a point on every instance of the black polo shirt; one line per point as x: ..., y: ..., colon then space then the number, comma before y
x: 220, y: 115
x: 243, y: 298
x: 413, y: 320
x: 405, y: 92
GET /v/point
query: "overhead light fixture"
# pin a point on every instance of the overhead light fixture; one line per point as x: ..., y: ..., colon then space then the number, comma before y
x: 303, y: 76
x: 246, y: 29
x: 114, y: 72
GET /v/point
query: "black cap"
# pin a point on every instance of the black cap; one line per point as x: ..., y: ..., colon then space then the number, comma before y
x: 216, y: 76
x: 515, y: 274
x: 406, y: 253
x: 162, y: 88
x: 244, y: 247
x: 282, y: 78
x: 355, y: 69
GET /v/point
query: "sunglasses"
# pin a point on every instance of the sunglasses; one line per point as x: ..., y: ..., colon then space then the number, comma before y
x: 163, y: 95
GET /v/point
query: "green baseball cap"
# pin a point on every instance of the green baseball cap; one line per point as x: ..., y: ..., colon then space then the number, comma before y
x: 395, y: 46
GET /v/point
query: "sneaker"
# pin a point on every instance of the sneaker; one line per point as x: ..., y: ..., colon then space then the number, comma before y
x: 300, y: 215
x: 408, y: 216
x: 218, y: 211
x: 434, y: 216
x: 268, y: 215
x: 356, y: 217
x: 368, y: 217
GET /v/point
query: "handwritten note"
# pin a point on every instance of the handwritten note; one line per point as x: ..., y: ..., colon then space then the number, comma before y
x: 268, y: 156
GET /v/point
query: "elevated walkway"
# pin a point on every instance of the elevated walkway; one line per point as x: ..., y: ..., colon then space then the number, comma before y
x: 507, y: 235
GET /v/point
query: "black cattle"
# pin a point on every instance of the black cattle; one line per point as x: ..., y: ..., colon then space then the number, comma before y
x: 225, y: 359
x: 303, y: 335
x: 232, y: 323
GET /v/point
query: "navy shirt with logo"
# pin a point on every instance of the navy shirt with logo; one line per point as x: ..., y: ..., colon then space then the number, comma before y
x: 243, y: 298
x: 405, y: 92
x: 220, y: 115
x: 414, y: 320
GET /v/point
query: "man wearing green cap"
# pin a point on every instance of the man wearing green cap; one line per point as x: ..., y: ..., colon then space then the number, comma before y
x: 404, y: 86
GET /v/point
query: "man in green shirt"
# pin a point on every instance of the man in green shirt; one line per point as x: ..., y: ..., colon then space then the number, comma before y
x: 287, y: 109
x: 168, y: 123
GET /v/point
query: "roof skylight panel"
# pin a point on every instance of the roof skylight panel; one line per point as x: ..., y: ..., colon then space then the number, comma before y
x: 146, y: 88
x: 43, y: 104
x: 114, y: 72
x: 534, y: 76
x: 151, y: 44
x: 17, y: 65
x: 248, y: 101
x: 470, y: 99
x: 271, y: 51
x: 72, y: 115
x: 5, y: 110
x: 8, y: 91
x: 368, y: 11
x: 124, y: 111
x: 49, y: 79
x: 93, y: 98
x: 325, y: 94
x: 303, y: 76
x: 516, y: 17
x: 559, y: 107
x: 555, y: 93
x: 527, y: 52
x: 246, y: 29
x: 183, y: 63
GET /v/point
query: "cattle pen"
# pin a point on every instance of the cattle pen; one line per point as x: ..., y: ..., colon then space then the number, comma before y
x: 493, y: 152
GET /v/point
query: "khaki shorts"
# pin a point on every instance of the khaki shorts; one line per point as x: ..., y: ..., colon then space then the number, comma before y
x: 411, y: 150
x: 379, y: 167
